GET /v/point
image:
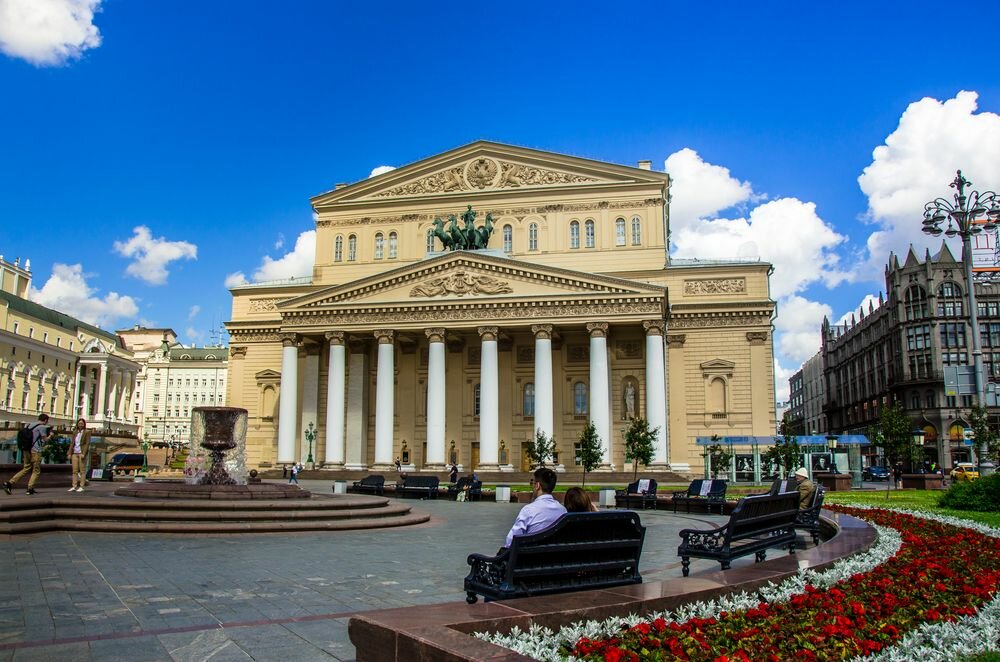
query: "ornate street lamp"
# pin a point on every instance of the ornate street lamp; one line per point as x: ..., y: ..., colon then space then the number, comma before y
x: 831, y: 443
x: 967, y: 216
x: 918, y: 441
x: 145, y: 463
x: 310, y: 437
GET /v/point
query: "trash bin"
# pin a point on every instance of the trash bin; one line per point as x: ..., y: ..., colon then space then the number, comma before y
x: 503, y: 493
x: 340, y: 487
x: 607, y: 497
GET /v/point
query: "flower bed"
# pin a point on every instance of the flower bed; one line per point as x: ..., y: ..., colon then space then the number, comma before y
x: 934, y: 581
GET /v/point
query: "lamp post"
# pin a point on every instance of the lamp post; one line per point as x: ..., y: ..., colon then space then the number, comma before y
x: 145, y: 462
x: 310, y: 437
x: 831, y: 443
x: 967, y: 216
x: 918, y: 442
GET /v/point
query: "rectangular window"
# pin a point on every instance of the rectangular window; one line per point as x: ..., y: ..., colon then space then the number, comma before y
x: 953, y: 335
x: 45, y: 337
x: 16, y: 325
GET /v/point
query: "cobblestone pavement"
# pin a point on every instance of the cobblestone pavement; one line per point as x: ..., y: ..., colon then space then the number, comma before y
x: 89, y: 596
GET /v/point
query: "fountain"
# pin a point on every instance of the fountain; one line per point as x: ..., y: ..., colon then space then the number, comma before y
x: 218, y: 430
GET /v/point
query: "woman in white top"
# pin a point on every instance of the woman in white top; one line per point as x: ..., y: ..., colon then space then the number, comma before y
x: 79, y: 455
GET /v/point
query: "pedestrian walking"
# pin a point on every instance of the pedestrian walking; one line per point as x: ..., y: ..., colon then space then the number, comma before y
x: 31, y: 456
x: 294, y: 476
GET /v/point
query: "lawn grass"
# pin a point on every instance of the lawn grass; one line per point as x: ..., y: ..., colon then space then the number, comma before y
x: 926, y: 500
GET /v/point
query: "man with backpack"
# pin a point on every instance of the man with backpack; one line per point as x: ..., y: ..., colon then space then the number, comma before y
x: 29, y: 442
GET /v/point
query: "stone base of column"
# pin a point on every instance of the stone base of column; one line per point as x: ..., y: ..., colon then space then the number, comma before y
x: 604, y: 468
x: 661, y: 467
x: 383, y: 467
x: 559, y: 468
x: 679, y: 467
x: 436, y: 468
x: 333, y: 466
x: 507, y: 468
x: 355, y: 467
x: 488, y: 468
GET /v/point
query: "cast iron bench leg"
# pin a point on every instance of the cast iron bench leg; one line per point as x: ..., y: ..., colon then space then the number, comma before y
x: 686, y: 565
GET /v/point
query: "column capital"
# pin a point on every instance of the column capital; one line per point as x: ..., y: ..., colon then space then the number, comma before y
x: 335, y: 337
x: 654, y: 327
x: 288, y: 339
x: 756, y: 337
x: 676, y: 339
x: 384, y: 336
x: 237, y: 352
x: 542, y: 331
x: 435, y: 335
x: 598, y: 329
x: 488, y: 333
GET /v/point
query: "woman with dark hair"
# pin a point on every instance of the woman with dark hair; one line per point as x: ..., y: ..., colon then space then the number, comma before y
x: 79, y: 454
x: 578, y: 501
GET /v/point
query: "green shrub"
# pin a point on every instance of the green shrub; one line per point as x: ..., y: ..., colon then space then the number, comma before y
x: 982, y: 495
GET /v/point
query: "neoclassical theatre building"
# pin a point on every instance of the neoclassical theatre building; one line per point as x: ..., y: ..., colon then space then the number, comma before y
x: 398, y: 347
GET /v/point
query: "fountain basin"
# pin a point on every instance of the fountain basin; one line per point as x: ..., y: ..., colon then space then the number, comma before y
x: 180, y: 490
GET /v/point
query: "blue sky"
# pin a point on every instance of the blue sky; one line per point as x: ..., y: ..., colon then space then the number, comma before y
x: 209, y: 125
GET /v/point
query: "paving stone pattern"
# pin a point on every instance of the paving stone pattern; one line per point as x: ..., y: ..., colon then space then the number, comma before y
x: 133, y: 597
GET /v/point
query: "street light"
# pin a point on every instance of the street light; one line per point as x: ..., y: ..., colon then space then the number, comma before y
x: 831, y: 443
x: 918, y: 441
x: 310, y: 437
x: 968, y: 216
x: 145, y: 463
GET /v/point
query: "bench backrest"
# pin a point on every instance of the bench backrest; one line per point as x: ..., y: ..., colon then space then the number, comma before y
x: 817, y: 500
x: 717, y: 489
x: 373, y: 481
x: 421, y: 481
x: 782, y: 485
x: 762, y: 513
x: 633, y: 488
x: 694, y: 489
x: 579, y: 549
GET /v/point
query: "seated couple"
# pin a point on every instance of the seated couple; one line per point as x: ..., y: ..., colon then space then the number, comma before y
x: 544, y: 510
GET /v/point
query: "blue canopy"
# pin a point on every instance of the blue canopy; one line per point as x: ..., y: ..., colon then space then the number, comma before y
x: 803, y: 440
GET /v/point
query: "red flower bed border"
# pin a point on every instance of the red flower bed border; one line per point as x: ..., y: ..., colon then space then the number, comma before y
x: 942, y: 572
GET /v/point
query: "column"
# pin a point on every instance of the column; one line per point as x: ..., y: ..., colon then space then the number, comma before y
x: 356, y: 434
x: 385, y: 405
x: 77, y: 405
x: 600, y: 399
x: 436, y: 395
x: 310, y: 401
x: 489, y: 399
x: 543, y: 378
x: 656, y: 390
x: 102, y: 394
x: 336, y: 402
x: 287, y: 396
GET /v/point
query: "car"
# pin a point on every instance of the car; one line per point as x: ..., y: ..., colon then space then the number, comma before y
x: 124, y: 463
x: 875, y: 472
x: 964, y: 471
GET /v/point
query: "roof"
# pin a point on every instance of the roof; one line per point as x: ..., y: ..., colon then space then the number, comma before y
x: 53, y: 317
x: 199, y: 353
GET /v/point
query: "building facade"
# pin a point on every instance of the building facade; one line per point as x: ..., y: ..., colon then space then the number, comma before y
x: 574, y: 313
x: 179, y: 379
x: 899, y: 352
x: 54, y: 364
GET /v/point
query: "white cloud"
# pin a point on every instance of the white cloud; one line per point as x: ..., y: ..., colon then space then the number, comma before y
x: 193, y: 312
x: 152, y: 255
x: 280, y: 241
x: 700, y: 190
x: 799, y: 324
x: 915, y: 165
x: 781, y: 386
x: 48, y: 32
x: 870, y: 300
x: 236, y: 279
x: 67, y: 291
x: 296, y: 263
x: 193, y: 335
x: 380, y: 170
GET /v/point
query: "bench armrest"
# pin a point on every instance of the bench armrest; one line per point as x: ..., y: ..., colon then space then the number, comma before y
x: 488, y: 570
x: 707, y: 539
x: 681, y: 494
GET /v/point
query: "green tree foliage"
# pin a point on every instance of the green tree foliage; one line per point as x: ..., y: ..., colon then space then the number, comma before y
x: 640, y: 444
x: 785, y: 456
x: 591, y: 454
x: 719, y: 457
x: 895, y: 436
x: 984, y: 436
x: 56, y: 450
x: 540, y: 449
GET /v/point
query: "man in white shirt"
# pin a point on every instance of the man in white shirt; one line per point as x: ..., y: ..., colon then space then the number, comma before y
x: 542, y: 512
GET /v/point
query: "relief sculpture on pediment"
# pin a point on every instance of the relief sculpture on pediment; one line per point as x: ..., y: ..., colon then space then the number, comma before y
x: 485, y: 173
x: 461, y: 283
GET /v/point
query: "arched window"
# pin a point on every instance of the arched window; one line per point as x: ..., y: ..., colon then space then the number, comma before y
x: 429, y: 247
x: 930, y: 399
x: 636, y: 231
x: 717, y: 396
x: 379, y: 246
x: 508, y: 239
x: 352, y: 248
x: 574, y: 234
x: 949, y: 303
x: 393, y: 245
x: 533, y: 237
x: 915, y: 303
x: 588, y: 230
x: 529, y: 399
x: 580, y: 399
x: 475, y: 400
x: 620, y: 232
x: 338, y: 249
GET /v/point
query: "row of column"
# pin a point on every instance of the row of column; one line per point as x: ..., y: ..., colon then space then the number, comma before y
x: 489, y: 393
x: 112, y: 393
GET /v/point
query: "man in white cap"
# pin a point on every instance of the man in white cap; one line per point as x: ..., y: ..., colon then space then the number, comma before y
x: 807, y: 488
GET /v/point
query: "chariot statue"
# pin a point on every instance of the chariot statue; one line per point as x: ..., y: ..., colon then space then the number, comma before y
x: 464, y: 236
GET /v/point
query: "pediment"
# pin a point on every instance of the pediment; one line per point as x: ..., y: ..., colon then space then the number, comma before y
x: 469, y: 276
x: 486, y: 166
x: 717, y: 367
x: 268, y: 375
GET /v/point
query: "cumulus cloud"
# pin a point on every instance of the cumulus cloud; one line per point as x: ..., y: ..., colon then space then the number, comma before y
x: 380, y: 170
x: 917, y: 162
x: 152, y: 255
x: 296, y: 263
x: 782, y: 375
x: 280, y: 241
x: 870, y: 300
x: 236, y: 279
x: 701, y: 190
x: 67, y: 291
x: 48, y: 32
x: 798, y: 325
x: 193, y: 312
x: 193, y: 335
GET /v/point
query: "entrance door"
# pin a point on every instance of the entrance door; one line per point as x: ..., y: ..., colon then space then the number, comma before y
x: 475, y: 455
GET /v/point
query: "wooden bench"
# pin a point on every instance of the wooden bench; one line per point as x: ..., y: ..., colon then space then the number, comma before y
x: 755, y: 525
x: 808, y: 519
x: 581, y: 551
x: 635, y: 497
x: 426, y: 487
x: 711, y: 495
x: 374, y: 484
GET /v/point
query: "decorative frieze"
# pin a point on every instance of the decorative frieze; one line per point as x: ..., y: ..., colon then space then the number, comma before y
x: 263, y: 305
x: 707, y: 286
x: 461, y: 283
x: 717, y: 319
x: 254, y: 336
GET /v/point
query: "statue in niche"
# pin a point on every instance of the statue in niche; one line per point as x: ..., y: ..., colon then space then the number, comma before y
x: 628, y: 396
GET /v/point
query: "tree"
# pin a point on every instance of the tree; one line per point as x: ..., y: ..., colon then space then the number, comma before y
x: 640, y: 444
x: 895, y: 436
x: 591, y: 454
x: 984, y: 437
x: 540, y: 449
x: 785, y: 455
x: 719, y: 457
